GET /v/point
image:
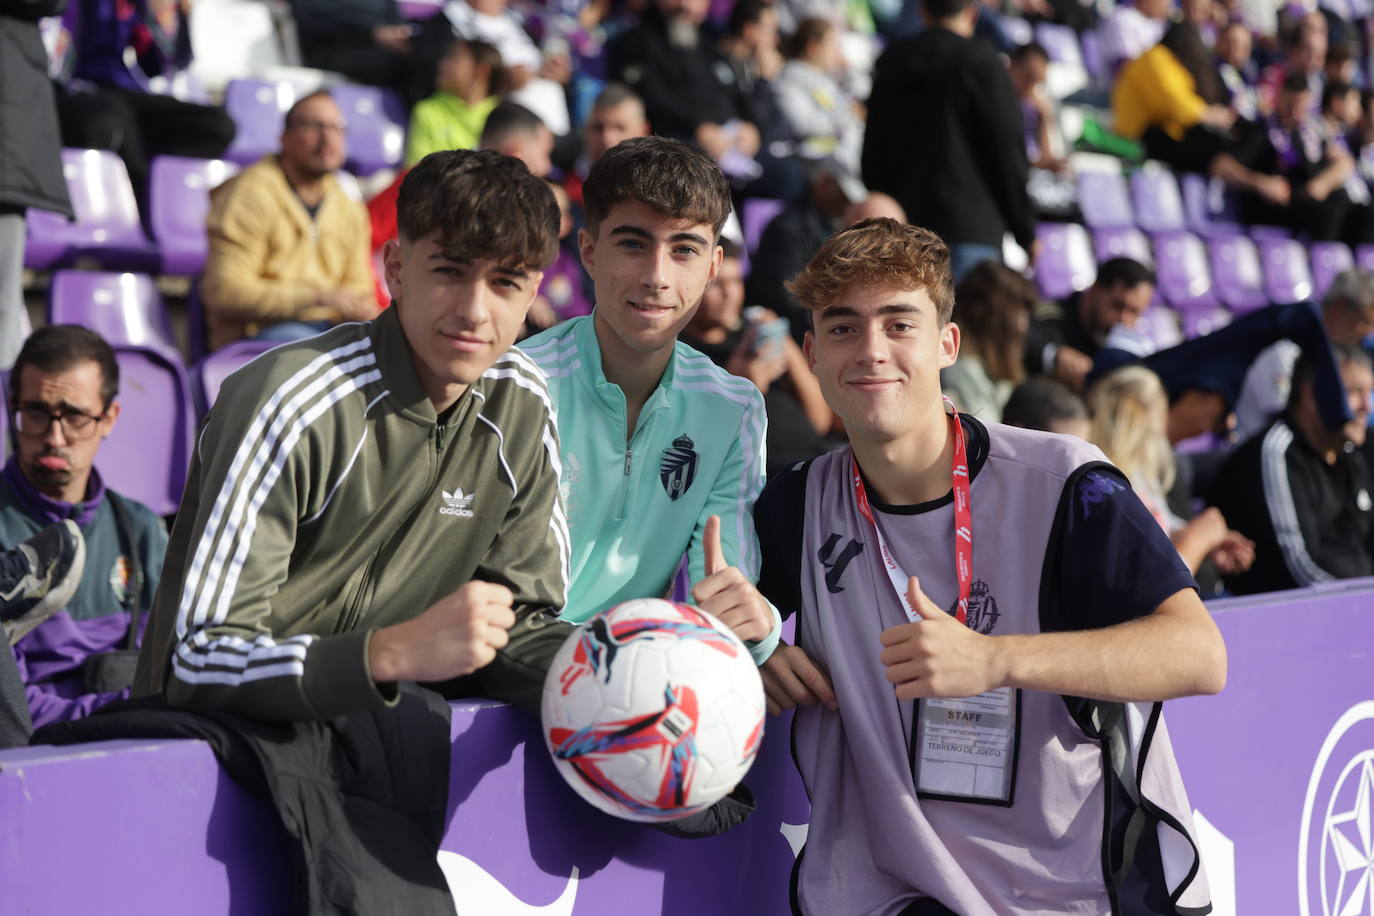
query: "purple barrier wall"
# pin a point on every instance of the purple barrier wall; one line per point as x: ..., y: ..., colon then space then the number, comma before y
x: 1280, y: 767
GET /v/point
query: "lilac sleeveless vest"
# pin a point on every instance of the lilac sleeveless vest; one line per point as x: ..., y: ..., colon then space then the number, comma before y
x: 873, y: 846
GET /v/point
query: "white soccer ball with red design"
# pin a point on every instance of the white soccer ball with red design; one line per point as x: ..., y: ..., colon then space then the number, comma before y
x: 653, y: 710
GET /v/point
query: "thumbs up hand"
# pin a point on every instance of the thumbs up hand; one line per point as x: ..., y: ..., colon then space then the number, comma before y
x: 726, y: 594
x: 937, y: 656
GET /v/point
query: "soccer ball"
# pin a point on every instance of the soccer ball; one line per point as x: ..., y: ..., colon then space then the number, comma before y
x: 653, y: 710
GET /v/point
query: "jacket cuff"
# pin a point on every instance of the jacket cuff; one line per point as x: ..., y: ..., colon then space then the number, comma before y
x: 337, y: 679
x: 762, y: 649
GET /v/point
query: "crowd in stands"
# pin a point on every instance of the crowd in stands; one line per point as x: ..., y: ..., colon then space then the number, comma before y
x: 1247, y: 445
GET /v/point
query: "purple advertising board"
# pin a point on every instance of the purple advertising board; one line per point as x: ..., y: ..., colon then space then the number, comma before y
x: 1279, y: 767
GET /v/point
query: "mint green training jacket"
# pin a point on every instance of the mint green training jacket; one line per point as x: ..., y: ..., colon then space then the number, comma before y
x: 634, y: 508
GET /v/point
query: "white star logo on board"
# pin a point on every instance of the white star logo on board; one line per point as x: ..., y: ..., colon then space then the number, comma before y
x: 1350, y: 840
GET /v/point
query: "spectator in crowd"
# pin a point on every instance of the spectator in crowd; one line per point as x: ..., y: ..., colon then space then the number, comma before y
x: 1055, y: 585
x: 1130, y: 415
x: 1340, y: 113
x: 1065, y: 336
x: 1133, y: 29
x: 37, y: 576
x: 1027, y: 66
x: 961, y: 93
x: 534, y: 78
x: 124, y: 53
x: 466, y: 85
x: 288, y: 252
x: 1316, y: 169
x: 835, y: 200
x: 514, y: 130
x: 616, y: 115
x: 368, y: 41
x: 1347, y: 314
x: 1048, y: 405
x: 274, y: 604
x: 1304, y: 56
x: 30, y: 157
x: 64, y: 400
x: 1172, y: 98
x: 1204, y: 376
x: 690, y: 92
x: 1238, y: 78
x: 755, y: 344
x: 752, y: 47
x: 992, y: 306
x: 562, y: 291
x: 1363, y: 141
x: 818, y: 114
x: 1301, y: 489
x: 1341, y: 64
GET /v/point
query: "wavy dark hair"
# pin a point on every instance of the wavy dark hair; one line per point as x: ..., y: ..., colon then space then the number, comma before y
x: 668, y: 176
x: 481, y: 204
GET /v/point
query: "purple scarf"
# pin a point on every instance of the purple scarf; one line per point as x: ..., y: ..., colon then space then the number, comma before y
x: 48, y: 510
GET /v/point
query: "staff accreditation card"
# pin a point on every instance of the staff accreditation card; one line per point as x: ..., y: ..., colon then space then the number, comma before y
x: 966, y: 748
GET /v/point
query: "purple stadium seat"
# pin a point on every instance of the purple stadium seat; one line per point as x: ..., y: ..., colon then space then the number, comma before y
x: 1160, y: 325
x: 1122, y: 243
x: 122, y: 308
x: 6, y: 446
x: 107, y: 227
x: 1208, y: 207
x: 1104, y: 200
x: 1269, y: 232
x: 149, y: 450
x: 1061, y: 42
x: 180, y: 191
x: 1158, y: 206
x: 1364, y: 257
x: 1093, y: 61
x: 376, y: 127
x: 1201, y: 322
x: 258, y: 108
x: 208, y: 375
x: 419, y: 10
x: 1286, y: 275
x: 1185, y: 279
x: 1017, y: 30
x: 1238, y: 273
x: 1064, y: 263
x: 755, y: 216
x: 1329, y: 259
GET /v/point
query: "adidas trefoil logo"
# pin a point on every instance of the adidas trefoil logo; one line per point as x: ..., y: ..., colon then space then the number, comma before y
x: 456, y: 503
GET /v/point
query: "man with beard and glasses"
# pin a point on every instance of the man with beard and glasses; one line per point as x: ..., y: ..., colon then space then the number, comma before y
x: 288, y: 248
x: 75, y: 655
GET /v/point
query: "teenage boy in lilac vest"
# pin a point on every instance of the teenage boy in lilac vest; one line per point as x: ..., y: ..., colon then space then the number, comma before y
x: 988, y: 620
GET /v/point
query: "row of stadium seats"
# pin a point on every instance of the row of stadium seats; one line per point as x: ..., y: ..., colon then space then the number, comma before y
x: 1238, y: 272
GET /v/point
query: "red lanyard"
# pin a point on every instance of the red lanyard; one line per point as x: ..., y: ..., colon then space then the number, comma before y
x: 963, y: 525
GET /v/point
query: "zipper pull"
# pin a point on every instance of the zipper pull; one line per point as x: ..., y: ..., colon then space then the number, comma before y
x: 628, y: 455
x: 439, y: 435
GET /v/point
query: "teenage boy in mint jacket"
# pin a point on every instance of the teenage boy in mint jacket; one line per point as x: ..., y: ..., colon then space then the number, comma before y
x: 663, y: 452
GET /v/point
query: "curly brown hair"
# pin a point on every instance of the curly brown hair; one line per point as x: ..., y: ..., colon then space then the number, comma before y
x: 877, y: 252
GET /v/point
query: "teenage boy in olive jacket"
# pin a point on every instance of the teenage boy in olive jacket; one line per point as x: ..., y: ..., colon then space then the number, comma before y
x: 380, y: 503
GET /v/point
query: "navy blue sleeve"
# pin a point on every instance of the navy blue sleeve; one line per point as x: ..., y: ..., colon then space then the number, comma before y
x: 779, y: 514
x: 1109, y: 560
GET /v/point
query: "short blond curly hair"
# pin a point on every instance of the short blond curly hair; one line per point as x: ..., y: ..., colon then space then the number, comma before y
x: 877, y: 252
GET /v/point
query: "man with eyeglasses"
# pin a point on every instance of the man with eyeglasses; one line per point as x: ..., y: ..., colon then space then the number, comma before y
x: 75, y: 651
x: 288, y: 248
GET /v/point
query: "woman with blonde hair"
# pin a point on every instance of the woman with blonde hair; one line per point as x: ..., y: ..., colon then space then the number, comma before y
x: 1130, y: 415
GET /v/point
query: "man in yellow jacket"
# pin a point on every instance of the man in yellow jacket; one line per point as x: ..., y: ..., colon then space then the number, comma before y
x: 289, y: 251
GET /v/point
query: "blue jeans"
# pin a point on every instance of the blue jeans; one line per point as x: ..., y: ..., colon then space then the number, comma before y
x: 964, y: 256
x: 292, y: 330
